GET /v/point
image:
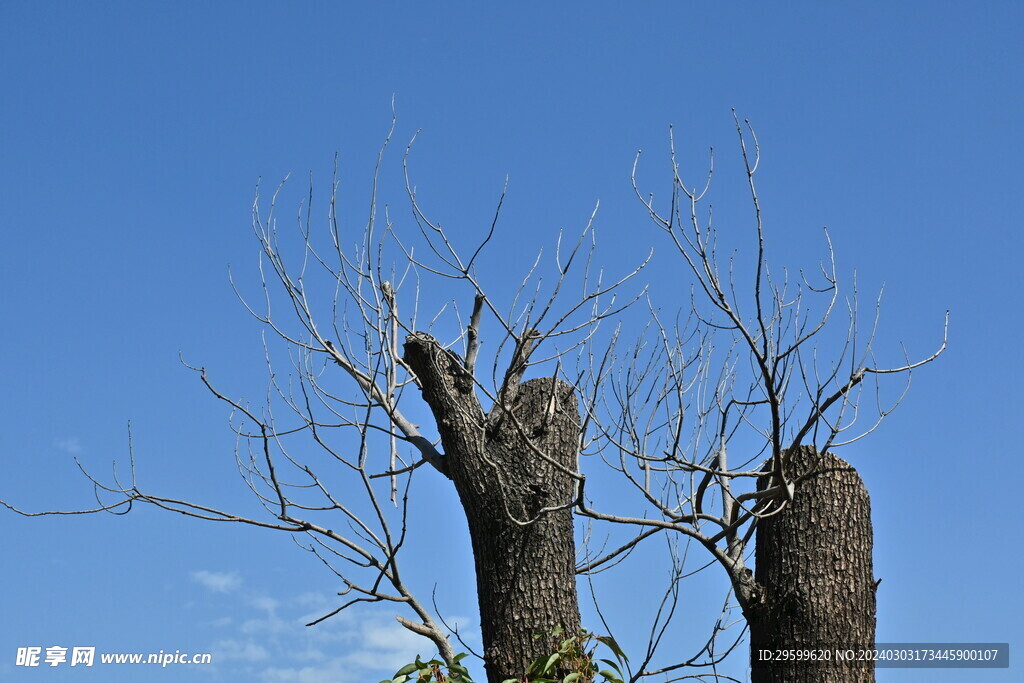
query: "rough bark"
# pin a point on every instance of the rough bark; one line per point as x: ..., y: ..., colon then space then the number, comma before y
x: 814, y: 570
x: 524, y: 558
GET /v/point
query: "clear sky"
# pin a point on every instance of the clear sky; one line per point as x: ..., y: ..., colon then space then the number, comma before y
x: 132, y: 136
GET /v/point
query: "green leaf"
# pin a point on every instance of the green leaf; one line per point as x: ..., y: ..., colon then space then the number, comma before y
x: 550, y: 664
x: 409, y: 668
x: 459, y: 657
x: 614, y: 647
x: 571, y: 678
x: 609, y: 676
x: 543, y: 665
x: 612, y: 665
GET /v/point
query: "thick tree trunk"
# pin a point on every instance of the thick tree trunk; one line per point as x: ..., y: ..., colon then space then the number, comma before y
x: 525, y: 558
x: 814, y: 567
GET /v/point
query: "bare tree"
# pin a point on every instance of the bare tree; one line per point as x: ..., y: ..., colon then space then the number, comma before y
x: 740, y: 375
x: 747, y: 370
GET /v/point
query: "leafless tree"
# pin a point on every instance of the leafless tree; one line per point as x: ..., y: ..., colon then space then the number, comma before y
x: 741, y: 374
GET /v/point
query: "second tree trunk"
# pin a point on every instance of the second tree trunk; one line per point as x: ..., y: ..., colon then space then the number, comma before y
x: 814, y: 566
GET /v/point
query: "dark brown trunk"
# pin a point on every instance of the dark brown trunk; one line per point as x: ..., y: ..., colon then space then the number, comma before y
x: 525, y: 558
x: 814, y: 567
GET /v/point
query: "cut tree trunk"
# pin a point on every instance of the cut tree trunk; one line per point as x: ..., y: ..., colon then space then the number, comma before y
x: 502, y: 465
x: 814, y: 569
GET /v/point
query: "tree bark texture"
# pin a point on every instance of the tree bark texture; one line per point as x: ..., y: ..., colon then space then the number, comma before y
x: 814, y: 568
x: 525, y: 559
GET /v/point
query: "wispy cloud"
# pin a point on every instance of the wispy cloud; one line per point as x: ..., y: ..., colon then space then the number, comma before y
x: 386, y: 646
x: 265, y: 604
x: 330, y: 672
x: 268, y: 640
x: 71, y: 445
x: 357, y: 652
x: 231, y: 649
x: 217, y: 582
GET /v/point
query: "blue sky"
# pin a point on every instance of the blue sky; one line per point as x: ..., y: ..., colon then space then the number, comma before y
x: 132, y: 136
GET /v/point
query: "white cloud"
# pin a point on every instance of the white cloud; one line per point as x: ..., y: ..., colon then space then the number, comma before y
x: 269, y: 624
x: 311, y: 654
x: 217, y: 582
x: 237, y: 650
x: 267, y: 639
x: 376, y: 649
x: 390, y: 637
x: 334, y: 671
x: 268, y: 605
x: 386, y: 646
x: 71, y: 445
